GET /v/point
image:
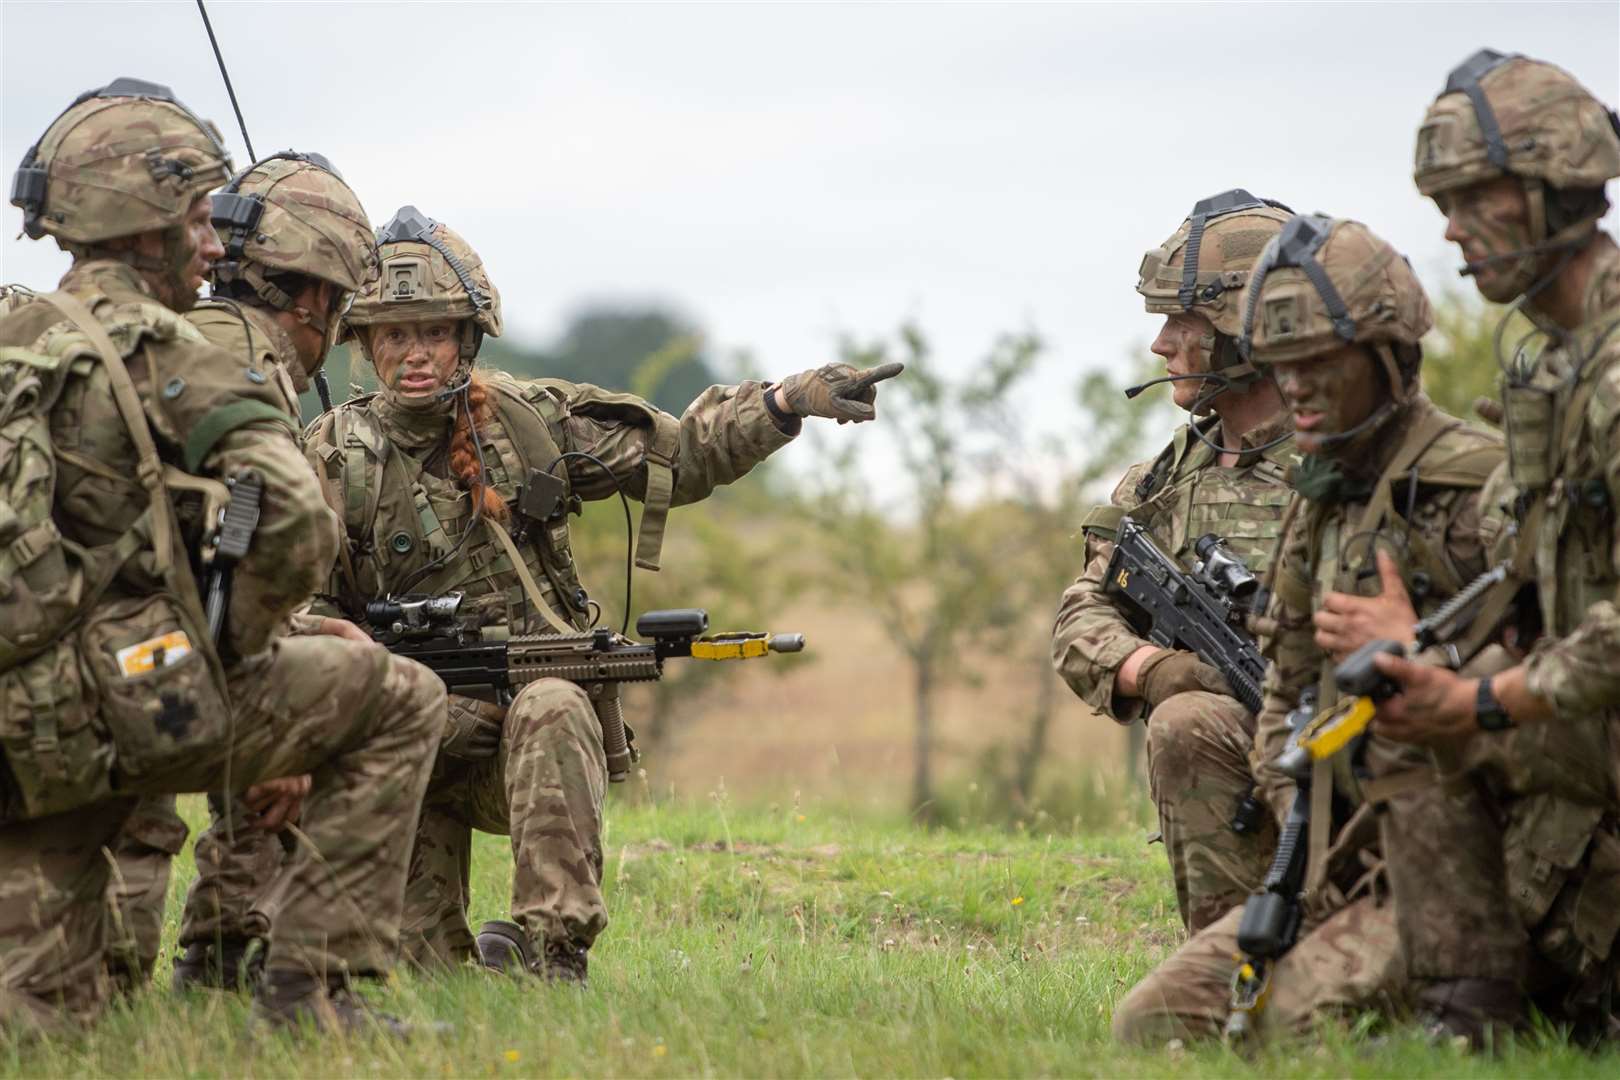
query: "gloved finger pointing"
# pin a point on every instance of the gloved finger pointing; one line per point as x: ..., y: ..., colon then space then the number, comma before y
x: 865, y: 380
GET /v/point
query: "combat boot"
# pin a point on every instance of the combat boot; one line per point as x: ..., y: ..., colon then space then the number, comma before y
x: 229, y: 963
x: 296, y: 1000
x: 1484, y: 1011
x: 503, y: 946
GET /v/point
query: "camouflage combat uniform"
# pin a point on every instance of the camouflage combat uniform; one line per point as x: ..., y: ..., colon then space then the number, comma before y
x: 1198, y: 743
x: 128, y: 697
x: 1535, y: 806
x: 302, y: 223
x: 1408, y: 484
x: 361, y: 721
x: 1348, y: 956
x: 545, y: 787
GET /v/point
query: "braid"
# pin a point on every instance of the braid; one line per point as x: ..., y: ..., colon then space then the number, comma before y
x: 464, y: 455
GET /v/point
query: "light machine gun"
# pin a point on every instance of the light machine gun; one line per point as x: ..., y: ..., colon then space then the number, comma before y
x: 1201, y: 612
x: 425, y: 629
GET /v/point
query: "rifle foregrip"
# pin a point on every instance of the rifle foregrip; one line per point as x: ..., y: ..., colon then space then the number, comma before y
x: 610, y: 713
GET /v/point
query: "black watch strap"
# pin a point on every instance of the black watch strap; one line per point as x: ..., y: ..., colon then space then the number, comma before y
x: 1488, y: 711
x: 787, y: 423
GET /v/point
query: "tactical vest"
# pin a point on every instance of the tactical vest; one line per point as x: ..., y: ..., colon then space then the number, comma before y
x: 1429, y: 472
x: 1551, y: 409
x: 400, y: 518
x: 1186, y: 494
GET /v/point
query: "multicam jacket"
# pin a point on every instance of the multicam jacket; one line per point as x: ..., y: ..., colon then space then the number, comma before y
x: 1179, y: 496
x: 386, y: 473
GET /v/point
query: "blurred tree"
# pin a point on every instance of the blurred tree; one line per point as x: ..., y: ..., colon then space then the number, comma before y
x: 944, y: 580
x: 1459, y: 354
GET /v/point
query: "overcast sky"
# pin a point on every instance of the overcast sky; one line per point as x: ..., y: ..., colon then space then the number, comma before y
x: 786, y: 173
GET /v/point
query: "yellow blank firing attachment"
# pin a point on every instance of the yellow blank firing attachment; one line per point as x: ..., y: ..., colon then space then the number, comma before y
x: 1333, y: 730
x: 743, y: 646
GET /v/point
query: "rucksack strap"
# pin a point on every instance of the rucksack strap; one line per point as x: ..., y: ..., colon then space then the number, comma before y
x: 148, y: 466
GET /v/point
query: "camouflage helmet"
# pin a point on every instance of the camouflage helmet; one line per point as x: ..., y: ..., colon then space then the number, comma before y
x: 1203, y: 267
x: 1510, y: 115
x: 1326, y: 282
x: 292, y: 213
x: 123, y: 159
x: 428, y: 272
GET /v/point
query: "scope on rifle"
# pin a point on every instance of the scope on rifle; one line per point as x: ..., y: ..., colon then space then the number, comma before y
x: 674, y: 623
x: 1223, y: 571
x: 405, y: 616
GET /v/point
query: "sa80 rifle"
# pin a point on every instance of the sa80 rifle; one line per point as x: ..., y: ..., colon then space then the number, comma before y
x: 1201, y: 612
x: 426, y: 629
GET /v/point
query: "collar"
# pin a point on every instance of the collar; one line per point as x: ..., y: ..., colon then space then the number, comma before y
x: 1268, y: 430
x: 415, y: 427
x: 118, y: 280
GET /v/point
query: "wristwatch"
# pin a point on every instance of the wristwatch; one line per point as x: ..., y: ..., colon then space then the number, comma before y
x: 1488, y: 711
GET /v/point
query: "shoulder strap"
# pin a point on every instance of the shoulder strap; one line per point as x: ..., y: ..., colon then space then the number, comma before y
x: 148, y: 466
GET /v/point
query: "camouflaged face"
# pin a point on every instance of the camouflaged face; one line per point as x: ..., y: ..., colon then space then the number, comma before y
x: 312, y: 224
x: 1552, y: 127
x: 417, y: 283
x: 120, y: 166
x: 1382, y: 297
x: 1227, y: 251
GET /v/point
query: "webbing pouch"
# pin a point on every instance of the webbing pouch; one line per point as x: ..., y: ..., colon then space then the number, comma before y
x: 160, y: 703
x: 57, y: 759
x: 1529, y: 417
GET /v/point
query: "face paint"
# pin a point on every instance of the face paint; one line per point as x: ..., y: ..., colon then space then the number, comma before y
x: 1329, y: 394
x: 1490, y: 222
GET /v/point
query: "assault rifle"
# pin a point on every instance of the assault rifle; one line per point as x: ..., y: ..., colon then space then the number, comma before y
x: 1362, y: 686
x: 1202, y: 612
x: 425, y: 628
x: 1271, y: 918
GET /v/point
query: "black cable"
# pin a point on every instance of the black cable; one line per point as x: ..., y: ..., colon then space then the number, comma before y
x: 229, y: 89
x: 629, y: 527
x: 477, y: 504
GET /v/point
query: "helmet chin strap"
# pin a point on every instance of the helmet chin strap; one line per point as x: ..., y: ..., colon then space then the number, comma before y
x: 1376, y: 419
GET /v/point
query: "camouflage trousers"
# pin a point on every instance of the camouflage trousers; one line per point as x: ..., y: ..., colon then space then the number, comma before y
x: 1513, y: 872
x: 1344, y: 963
x: 138, y: 889
x: 545, y: 789
x: 235, y: 865
x: 362, y: 722
x: 1198, y: 771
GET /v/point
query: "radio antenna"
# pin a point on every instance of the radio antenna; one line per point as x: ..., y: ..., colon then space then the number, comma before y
x: 229, y: 89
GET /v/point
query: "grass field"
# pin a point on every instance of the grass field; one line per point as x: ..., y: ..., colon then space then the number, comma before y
x: 792, y: 941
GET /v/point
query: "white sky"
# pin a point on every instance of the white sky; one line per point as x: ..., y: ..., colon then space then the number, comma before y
x: 784, y: 173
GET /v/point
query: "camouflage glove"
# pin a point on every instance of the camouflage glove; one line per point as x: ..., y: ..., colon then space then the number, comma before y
x: 838, y: 391
x: 1174, y: 671
x: 474, y: 730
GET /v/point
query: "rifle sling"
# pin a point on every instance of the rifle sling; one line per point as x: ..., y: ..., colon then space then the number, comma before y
x: 531, y: 588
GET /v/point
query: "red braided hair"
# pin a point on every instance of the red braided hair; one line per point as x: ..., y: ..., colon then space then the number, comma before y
x: 464, y: 455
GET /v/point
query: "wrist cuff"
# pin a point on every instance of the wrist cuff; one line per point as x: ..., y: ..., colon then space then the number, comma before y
x: 787, y: 423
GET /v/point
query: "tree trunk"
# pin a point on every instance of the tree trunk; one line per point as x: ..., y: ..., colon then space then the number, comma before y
x: 1040, y: 723
x: 922, y: 782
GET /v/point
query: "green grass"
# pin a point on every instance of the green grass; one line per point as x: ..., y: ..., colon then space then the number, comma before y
x: 791, y: 942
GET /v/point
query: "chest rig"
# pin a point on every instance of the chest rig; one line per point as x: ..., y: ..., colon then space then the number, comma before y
x: 1187, y: 494
x: 399, y: 517
x: 1552, y: 407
